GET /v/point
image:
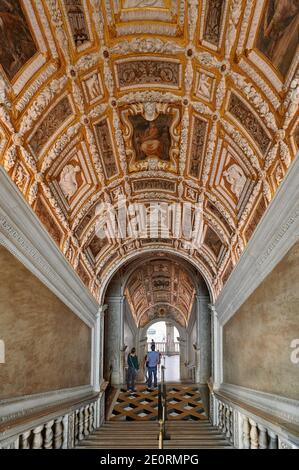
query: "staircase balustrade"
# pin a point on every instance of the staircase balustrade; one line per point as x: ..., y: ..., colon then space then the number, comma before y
x: 60, y: 430
x: 245, y: 429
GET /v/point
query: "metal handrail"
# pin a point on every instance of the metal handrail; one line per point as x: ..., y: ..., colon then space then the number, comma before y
x: 162, y: 409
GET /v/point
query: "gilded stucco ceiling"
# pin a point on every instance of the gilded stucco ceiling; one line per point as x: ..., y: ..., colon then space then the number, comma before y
x: 85, y: 84
x: 160, y: 288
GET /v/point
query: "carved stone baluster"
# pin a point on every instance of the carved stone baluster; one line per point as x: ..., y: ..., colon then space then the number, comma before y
x: 246, y: 433
x: 273, y: 440
x: 223, y: 429
x: 48, y: 443
x: 76, y: 430
x: 231, y: 425
x: 96, y: 415
x: 65, y: 424
x: 81, y: 424
x: 254, y: 436
x: 223, y: 421
x: 227, y: 421
x: 91, y: 417
x: 58, y: 433
x: 71, y: 430
x: 263, y: 440
x: 37, y: 437
x: 25, y: 440
x: 86, y: 419
x: 220, y: 415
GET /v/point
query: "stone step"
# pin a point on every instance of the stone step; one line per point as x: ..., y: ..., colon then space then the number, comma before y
x: 185, y: 433
x: 144, y: 435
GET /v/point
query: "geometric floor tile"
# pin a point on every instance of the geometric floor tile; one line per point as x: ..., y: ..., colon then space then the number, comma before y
x: 183, y: 403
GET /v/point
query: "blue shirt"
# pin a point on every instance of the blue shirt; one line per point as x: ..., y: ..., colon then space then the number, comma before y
x: 153, y: 358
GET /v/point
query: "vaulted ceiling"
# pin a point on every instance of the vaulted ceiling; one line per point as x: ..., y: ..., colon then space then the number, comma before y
x: 158, y: 100
x: 160, y: 288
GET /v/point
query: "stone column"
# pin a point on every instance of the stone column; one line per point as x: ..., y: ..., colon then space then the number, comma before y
x: 115, y: 348
x: 142, y: 351
x: 96, y: 352
x: 183, y: 359
x: 101, y: 314
x: 203, y: 339
x: 170, y: 337
x: 217, y: 348
x: 97, y: 349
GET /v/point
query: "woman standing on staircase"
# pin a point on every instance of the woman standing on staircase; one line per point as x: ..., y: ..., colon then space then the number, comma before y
x: 133, y: 367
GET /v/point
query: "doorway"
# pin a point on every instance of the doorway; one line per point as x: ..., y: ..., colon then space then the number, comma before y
x: 165, y: 336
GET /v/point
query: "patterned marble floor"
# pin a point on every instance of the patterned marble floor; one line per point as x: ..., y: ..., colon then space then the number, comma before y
x: 184, y: 402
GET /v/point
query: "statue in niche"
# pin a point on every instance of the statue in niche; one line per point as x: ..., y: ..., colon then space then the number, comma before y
x: 68, y: 181
x: 236, y: 178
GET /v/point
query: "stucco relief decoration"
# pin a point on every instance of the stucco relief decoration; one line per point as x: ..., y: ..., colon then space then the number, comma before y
x: 68, y: 181
x: 93, y: 88
x: 205, y: 85
x: 153, y: 288
x: 143, y: 3
x: 50, y: 124
x: 236, y: 178
x: 145, y: 71
x: 249, y: 122
x: 160, y: 100
x: 106, y: 148
x: 199, y: 130
x: 77, y: 21
x: 213, y: 21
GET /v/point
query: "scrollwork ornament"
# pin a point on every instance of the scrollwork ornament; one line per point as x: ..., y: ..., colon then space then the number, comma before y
x: 209, y: 153
x: 57, y: 21
x: 192, y: 18
x: 284, y: 153
x: 33, y: 191
x: 234, y: 16
x: 256, y: 99
x: 184, y: 140
x: 146, y: 45
x: 10, y: 157
x: 58, y: 211
x: 40, y: 104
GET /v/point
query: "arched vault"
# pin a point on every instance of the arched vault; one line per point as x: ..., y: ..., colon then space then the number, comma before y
x: 189, y: 102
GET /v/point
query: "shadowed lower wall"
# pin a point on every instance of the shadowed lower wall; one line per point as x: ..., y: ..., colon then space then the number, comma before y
x: 47, y: 346
x: 256, y: 342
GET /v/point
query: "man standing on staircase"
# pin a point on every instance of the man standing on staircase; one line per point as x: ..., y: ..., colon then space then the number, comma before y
x: 153, y: 359
x: 133, y: 367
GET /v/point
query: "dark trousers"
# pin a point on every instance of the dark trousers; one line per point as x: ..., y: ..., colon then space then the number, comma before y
x: 152, y: 374
x: 131, y: 378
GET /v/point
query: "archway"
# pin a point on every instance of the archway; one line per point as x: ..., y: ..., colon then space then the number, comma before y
x: 165, y: 336
x: 157, y: 286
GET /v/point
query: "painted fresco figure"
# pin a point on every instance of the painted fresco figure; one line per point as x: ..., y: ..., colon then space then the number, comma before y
x: 279, y: 33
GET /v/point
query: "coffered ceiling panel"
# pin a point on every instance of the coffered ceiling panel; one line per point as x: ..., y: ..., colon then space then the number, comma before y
x: 166, y: 101
x: 160, y: 288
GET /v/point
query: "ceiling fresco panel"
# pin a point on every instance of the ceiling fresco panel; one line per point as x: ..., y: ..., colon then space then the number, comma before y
x: 278, y: 33
x: 149, y: 101
x: 16, y: 39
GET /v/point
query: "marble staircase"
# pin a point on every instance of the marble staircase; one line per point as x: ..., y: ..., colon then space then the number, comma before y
x: 144, y: 435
